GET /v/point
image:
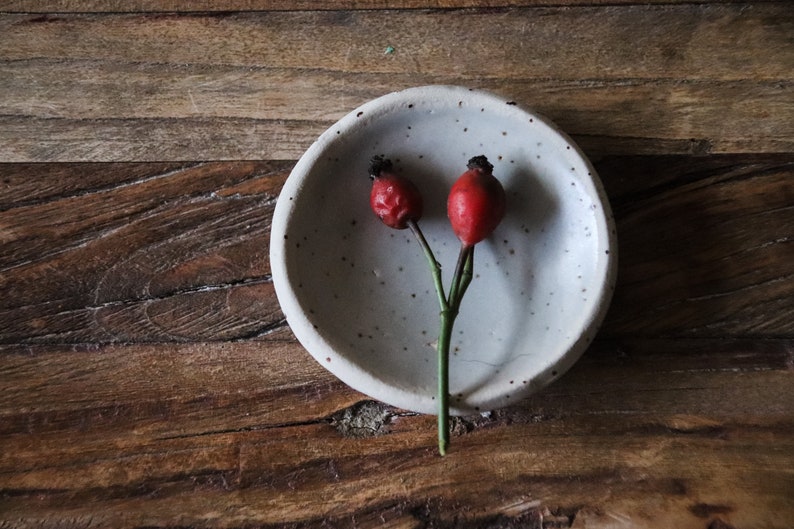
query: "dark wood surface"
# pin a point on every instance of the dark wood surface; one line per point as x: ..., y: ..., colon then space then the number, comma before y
x: 148, y: 377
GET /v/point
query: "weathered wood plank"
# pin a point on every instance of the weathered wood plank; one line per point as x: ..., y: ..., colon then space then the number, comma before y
x: 201, y: 6
x: 130, y: 253
x: 109, y: 253
x: 178, y: 389
x: 184, y: 389
x: 250, y: 121
x: 632, y: 79
x: 633, y: 420
x: 686, y: 42
x: 707, y: 247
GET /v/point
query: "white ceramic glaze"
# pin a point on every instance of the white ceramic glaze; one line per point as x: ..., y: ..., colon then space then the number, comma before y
x: 359, y: 295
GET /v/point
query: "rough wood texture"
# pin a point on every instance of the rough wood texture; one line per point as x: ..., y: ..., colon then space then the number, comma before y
x: 166, y: 252
x: 629, y: 79
x: 201, y: 6
x: 148, y: 378
x: 225, y: 420
x: 207, y: 440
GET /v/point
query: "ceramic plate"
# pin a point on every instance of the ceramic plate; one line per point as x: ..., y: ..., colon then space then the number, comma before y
x: 359, y: 295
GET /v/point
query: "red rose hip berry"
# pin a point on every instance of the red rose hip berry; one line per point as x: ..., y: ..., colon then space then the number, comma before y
x: 476, y: 203
x: 394, y: 199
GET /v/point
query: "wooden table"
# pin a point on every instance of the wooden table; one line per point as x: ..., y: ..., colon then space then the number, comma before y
x: 147, y: 375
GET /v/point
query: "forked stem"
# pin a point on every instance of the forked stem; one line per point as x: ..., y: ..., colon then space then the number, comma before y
x: 435, y: 268
x: 449, y: 311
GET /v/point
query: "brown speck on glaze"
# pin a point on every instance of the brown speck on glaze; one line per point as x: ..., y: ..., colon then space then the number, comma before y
x: 359, y: 114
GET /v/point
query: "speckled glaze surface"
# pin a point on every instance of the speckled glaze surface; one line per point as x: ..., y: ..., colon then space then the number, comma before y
x: 359, y: 296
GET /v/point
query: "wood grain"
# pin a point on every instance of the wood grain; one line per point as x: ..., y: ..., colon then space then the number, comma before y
x: 170, y: 253
x: 148, y: 377
x: 140, y: 324
x: 621, y: 80
x: 143, y: 246
x: 201, y: 6
x: 686, y: 447
x: 706, y: 245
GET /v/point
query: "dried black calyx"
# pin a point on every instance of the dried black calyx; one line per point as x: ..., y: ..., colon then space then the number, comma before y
x: 378, y: 165
x: 480, y: 162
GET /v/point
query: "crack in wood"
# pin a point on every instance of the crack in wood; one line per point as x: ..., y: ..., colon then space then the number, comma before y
x: 247, y: 281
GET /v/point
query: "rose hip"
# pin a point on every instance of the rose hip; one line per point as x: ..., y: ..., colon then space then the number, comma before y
x: 394, y: 199
x: 476, y: 203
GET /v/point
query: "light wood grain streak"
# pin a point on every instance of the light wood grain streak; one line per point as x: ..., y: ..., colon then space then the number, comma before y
x: 27, y: 201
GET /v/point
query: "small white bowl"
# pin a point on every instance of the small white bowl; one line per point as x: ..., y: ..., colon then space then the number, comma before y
x: 359, y: 295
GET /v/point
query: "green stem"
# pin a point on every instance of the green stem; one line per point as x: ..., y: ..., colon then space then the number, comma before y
x: 455, y: 285
x: 444, y: 337
x: 435, y: 268
x: 462, y: 277
x: 466, y: 275
x: 449, y: 311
